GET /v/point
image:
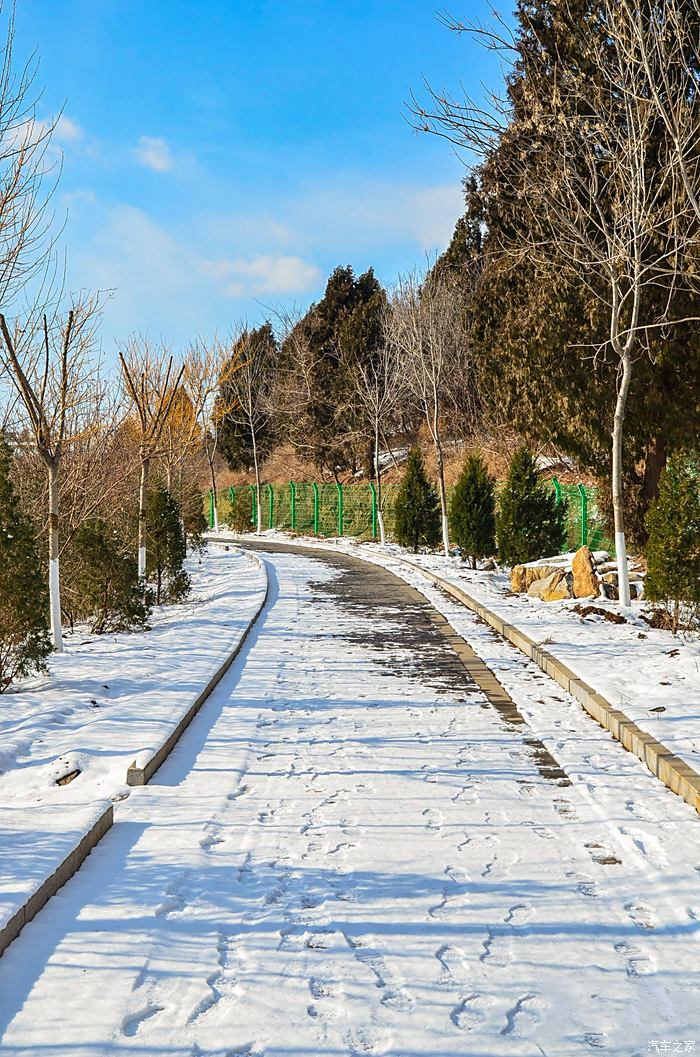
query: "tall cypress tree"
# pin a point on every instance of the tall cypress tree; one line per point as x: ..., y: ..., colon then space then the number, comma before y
x: 473, y: 511
x: 530, y: 524
x: 416, y: 510
x: 24, y: 632
x: 673, y: 550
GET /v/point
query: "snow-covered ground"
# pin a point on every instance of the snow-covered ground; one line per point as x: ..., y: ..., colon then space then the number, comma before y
x: 350, y: 852
x: 106, y: 701
x: 651, y: 676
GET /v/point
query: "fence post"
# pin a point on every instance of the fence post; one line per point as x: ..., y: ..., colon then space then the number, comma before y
x: 373, y: 493
x: 315, y: 491
x: 232, y: 496
x: 557, y: 490
x: 583, y: 494
x: 270, y: 507
x: 211, y: 508
x: 340, y: 508
x: 293, y: 494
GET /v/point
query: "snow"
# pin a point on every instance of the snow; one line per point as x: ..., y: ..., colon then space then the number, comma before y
x: 349, y: 852
x: 107, y: 700
x: 650, y: 675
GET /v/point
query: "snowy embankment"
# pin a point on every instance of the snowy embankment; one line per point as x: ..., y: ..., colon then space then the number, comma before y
x: 651, y: 676
x: 107, y: 701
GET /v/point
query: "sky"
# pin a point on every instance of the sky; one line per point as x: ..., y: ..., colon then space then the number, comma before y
x: 221, y: 157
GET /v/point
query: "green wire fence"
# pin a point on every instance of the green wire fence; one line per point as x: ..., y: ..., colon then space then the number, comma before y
x: 351, y: 510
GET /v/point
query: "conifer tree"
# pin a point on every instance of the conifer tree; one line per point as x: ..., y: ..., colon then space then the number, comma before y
x: 167, y: 547
x: 417, y: 511
x: 104, y: 579
x: 24, y: 631
x: 673, y: 549
x: 530, y: 523
x: 472, y: 511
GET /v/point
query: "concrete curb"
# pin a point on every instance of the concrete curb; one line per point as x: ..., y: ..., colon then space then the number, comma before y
x: 136, y: 776
x: 58, y: 878
x: 677, y: 775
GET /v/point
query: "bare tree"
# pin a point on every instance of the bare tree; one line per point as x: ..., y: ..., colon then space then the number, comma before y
x: 209, y: 366
x: 379, y: 389
x: 249, y: 392
x: 49, y: 362
x: 151, y: 382
x: 596, y: 193
x: 426, y: 329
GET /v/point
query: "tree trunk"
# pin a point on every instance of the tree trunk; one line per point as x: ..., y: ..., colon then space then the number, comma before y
x: 443, y: 494
x: 378, y: 479
x: 143, y: 495
x: 54, y: 577
x: 654, y: 464
x: 215, y: 504
x: 617, y: 488
x: 258, y: 502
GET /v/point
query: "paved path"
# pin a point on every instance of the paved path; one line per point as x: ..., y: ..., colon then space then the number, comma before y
x: 353, y: 852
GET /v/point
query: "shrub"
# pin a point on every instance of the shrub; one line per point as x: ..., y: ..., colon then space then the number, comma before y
x: 193, y: 517
x: 104, y: 580
x: 417, y: 514
x: 167, y: 547
x: 673, y: 547
x: 530, y: 523
x: 24, y: 599
x: 472, y: 511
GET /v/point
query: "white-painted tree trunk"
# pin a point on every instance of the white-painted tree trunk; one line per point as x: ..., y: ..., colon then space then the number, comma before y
x: 380, y: 522
x: 617, y: 488
x: 445, y: 535
x: 143, y: 495
x: 258, y: 503
x: 378, y: 479
x: 54, y: 571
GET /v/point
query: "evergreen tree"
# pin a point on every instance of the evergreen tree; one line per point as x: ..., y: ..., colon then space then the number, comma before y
x: 235, y: 439
x: 104, y: 581
x: 530, y: 523
x: 417, y: 511
x: 167, y: 547
x: 344, y: 327
x: 473, y: 511
x: 193, y: 516
x: 673, y: 549
x: 24, y: 632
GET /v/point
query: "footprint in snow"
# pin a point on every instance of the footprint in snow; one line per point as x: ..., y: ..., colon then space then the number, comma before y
x: 131, y: 1024
x: 519, y: 915
x: 524, y: 1014
x: 637, y: 962
x: 471, y: 1011
x: 642, y: 915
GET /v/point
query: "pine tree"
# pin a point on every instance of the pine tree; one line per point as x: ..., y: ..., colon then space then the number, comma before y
x: 24, y: 632
x: 167, y: 547
x: 673, y: 549
x: 417, y: 512
x: 472, y: 511
x: 530, y: 523
x: 104, y: 580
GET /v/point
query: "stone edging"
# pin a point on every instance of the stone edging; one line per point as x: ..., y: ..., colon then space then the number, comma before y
x: 675, y: 773
x: 58, y: 878
x: 136, y: 776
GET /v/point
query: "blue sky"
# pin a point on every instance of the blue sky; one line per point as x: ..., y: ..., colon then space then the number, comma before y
x: 221, y: 154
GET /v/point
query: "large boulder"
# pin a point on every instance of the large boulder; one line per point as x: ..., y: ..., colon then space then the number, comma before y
x: 551, y: 588
x: 522, y: 576
x: 583, y: 568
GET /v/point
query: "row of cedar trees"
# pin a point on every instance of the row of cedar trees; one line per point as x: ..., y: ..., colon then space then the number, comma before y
x: 530, y: 524
x: 566, y: 305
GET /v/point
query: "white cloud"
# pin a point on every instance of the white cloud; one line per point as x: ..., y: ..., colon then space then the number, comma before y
x: 154, y: 153
x: 67, y: 131
x: 263, y: 275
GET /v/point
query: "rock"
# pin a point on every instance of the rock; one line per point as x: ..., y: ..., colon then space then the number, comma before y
x: 610, y: 591
x: 490, y: 565
x: 517, y: 578
x: 601, y: 557
x: 610, y: 578
x: 551, y: 588
x: 584, y: 572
